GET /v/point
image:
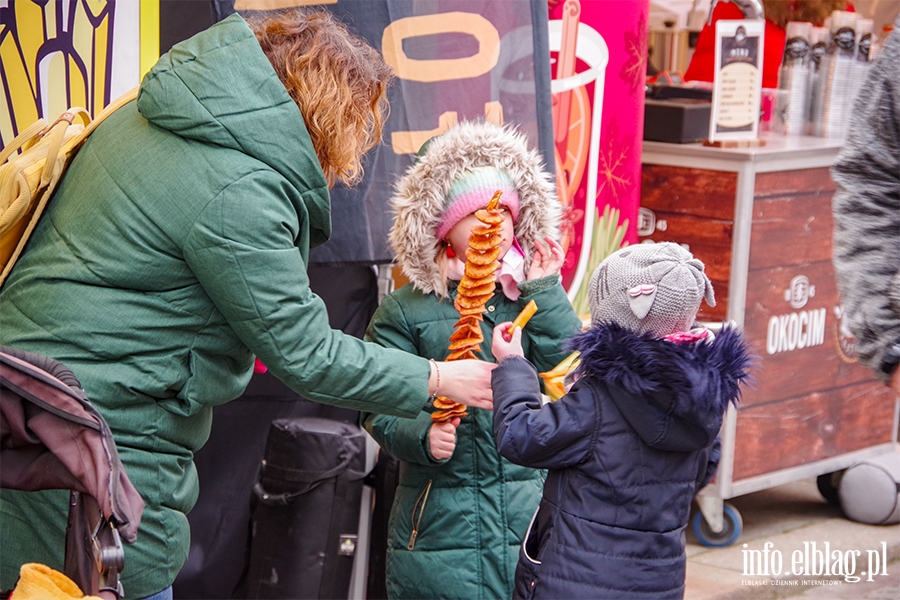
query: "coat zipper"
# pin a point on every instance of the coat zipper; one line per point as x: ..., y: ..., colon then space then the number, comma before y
x: 423, y: 498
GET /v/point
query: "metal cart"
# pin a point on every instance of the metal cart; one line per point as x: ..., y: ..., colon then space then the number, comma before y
x: 760, y: 218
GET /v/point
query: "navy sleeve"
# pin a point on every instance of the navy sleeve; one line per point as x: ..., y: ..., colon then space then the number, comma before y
x: 556, y: 435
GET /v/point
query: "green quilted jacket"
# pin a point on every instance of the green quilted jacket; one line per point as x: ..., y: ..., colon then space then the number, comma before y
x: 173, y: 252
x: 456, y: 525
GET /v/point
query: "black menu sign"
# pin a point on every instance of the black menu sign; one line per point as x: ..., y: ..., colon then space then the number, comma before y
x: 737, y: 83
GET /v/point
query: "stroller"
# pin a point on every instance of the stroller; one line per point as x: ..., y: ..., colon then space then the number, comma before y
x: 51, y: 437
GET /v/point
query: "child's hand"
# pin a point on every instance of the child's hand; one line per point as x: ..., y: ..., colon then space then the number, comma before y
x: 547, y: 260
x: 442, y: 438
x: 503, y: 344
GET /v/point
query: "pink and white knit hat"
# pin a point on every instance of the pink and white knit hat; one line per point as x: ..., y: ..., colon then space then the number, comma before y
x: 472, y: 191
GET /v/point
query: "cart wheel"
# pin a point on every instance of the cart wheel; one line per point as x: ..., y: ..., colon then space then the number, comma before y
x: 827, y: 484
x: 732, y: 527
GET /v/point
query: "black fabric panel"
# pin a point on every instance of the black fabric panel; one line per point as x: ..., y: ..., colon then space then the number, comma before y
x: 360, y: 216
x: 308, y: 496
x: 520, y: 81
x: 543, y: 98
x: 383, y: 479
x: 181, y: 19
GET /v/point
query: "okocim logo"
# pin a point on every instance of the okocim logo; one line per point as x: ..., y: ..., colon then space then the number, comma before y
x: 801, y: 328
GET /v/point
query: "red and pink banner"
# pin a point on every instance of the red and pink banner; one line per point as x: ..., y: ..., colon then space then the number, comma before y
x: 598, y: 66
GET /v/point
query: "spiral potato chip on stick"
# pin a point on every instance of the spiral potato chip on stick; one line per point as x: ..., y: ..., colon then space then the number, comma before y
x: 475, y: 289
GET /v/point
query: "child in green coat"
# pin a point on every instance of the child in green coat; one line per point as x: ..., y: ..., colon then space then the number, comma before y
x: 460, y: 509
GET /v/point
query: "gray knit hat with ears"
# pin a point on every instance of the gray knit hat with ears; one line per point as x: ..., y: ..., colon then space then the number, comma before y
x: 649, y: 288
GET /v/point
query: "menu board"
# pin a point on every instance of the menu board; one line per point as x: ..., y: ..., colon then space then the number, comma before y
x: 737, y: 83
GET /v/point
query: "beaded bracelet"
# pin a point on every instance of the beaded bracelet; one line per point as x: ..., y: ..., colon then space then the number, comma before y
x: 437, y: 383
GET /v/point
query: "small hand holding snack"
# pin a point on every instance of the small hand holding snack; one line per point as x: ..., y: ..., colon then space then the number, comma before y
x: 442, y: 438
x: 547, y: 260
x: 524, y: 316
x: 503, y: 344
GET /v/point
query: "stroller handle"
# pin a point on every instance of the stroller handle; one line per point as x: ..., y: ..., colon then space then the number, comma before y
x: 52, y: 366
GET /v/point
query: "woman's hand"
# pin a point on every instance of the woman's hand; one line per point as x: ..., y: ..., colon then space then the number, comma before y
x: 504, y: 344
x: 465, y: 381
x: 547, y: 260
x: 442, y: 438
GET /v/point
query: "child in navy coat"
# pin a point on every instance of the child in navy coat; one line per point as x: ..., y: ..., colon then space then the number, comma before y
x: 633, y: 440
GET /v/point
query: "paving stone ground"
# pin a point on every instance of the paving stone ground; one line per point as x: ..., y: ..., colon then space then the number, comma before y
x: 795, y: 520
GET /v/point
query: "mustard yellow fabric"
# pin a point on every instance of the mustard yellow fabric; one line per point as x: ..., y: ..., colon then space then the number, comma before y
x: 40, y: 582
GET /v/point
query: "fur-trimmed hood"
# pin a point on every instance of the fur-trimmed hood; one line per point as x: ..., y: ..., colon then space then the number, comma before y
x: 418, y: 202
x: 673, y: 395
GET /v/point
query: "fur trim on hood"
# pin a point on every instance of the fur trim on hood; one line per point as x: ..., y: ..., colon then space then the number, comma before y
x: 674, y: 395
x: 418, y: 202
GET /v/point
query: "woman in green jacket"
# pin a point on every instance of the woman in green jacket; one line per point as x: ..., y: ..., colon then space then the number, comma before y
x: 461, y: 510
x: 175, y: 251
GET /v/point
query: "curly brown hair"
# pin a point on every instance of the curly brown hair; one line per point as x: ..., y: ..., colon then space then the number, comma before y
x: 338, y: 81
x: 814, y: 11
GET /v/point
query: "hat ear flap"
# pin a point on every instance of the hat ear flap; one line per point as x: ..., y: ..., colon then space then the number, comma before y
x: 640, y: 299
x: 709, y: 293
x: 700, y: 273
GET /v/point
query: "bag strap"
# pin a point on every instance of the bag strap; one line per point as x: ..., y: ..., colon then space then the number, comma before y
x: 23, y: 138
x: 41, y: 127
x: 300, y: 476
x: 310, y: 479
x: 55, y: 137
x: 58, y: 130
x: 108, y: 110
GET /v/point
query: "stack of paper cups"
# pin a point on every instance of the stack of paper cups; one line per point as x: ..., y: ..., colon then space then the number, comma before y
x: 837, y: 76
x: 794, y: 78
x: 819, y: 38
x: 864, y: 42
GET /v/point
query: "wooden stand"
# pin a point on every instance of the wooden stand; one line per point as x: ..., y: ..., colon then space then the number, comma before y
x: 760, y: 219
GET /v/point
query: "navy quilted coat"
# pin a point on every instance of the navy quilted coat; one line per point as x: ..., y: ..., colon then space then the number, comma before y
x: 626, y: 450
